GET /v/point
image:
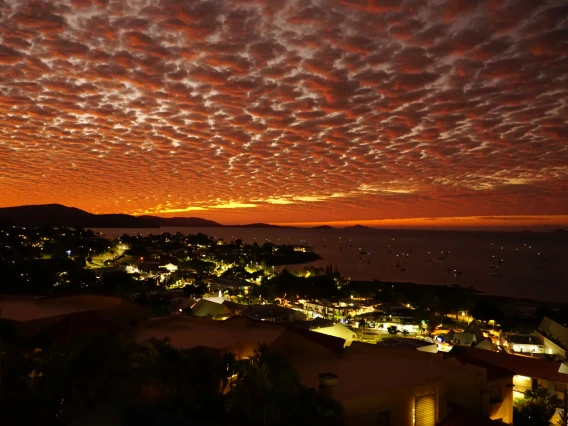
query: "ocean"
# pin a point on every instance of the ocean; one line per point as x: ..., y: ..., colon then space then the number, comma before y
x: 518, y: 264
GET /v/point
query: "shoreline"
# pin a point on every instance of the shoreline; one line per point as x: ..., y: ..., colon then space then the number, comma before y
x: 468, y: 290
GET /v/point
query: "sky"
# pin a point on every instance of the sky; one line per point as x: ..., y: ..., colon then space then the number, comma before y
x: 285, y: 111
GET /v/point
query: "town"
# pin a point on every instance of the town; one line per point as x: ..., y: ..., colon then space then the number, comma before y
x: 402, y: 353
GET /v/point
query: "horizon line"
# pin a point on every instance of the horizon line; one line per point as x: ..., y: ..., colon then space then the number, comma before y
x: 474, y: 222
x: 448, y: 222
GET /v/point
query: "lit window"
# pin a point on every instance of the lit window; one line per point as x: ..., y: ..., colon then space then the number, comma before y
x: 425, y: 410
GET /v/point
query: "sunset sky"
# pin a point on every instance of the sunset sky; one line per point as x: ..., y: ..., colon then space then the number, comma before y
x: 287, y: 111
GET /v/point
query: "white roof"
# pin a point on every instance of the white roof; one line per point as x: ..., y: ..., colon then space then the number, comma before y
x: 487, y: 345
x: 337, y: 330
x: 218, y: 300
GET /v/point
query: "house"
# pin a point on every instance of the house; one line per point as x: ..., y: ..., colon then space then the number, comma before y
x: 375, y: 386
x: 316, y: 309
x: 496, y: 384
x: 234, y: 284
x: 471, y: 335
x: 465, y: 339
x: 211, y: 309
x: 28, y: 323
x: 45, y: 319
x: 392, y: 389
x: 522, y: 343
x: 528, y: 372
x: 399, y: 387
x: 554, y: 337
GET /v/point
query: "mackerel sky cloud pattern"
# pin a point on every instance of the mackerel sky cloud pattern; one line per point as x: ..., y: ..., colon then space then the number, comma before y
x: 286, y: 111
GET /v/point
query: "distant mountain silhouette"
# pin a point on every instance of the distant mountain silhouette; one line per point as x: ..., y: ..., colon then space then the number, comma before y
x: 57, y: 214
x: 322, y: 227
x: 182, y: 221
x: 359, y: 227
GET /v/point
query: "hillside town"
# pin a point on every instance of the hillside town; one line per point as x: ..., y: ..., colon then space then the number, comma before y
x: 385, y: 353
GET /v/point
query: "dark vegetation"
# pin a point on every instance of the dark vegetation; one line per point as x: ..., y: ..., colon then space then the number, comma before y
x: 158, y: 384
x: 537, y: 409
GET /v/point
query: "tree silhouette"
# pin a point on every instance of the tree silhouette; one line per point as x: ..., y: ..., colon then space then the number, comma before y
x: 268, y: 393
x: 538, y: 409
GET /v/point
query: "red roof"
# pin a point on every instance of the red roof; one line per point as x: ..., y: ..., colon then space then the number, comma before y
x: 493, y: 372
x: 518, y: 364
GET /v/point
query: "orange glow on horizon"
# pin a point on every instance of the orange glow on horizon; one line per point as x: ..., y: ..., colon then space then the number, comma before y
x: 468, y: 222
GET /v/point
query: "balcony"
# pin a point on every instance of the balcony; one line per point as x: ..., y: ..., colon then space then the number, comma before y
x: 521, y: 389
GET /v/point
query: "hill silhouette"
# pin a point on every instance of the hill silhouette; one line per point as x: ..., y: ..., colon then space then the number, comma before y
x: 360, y: 227
x: 182, y: 221
x: 58, y: 214
x: 258, y: 225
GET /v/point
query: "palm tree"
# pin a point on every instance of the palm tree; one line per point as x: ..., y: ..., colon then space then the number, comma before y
x: 538, y: 408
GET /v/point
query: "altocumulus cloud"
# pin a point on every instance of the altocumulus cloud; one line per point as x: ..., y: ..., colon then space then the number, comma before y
x: 311, y: 109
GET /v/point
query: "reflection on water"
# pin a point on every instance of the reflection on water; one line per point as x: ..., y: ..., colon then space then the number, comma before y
x: 515, y: 264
